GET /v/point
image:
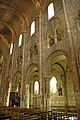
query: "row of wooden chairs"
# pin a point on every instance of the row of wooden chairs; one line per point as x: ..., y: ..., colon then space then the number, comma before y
x: 61, y: 114
x: 16, y: 113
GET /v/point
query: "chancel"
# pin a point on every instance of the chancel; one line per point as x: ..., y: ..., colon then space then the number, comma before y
x: 39, y: 59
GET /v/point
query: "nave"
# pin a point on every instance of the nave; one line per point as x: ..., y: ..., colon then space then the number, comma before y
x: 39, y: 59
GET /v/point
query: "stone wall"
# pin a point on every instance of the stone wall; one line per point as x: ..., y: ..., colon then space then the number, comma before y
x: 36, y: 50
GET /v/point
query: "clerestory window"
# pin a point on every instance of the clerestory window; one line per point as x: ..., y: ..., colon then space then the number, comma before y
x: 11, y: 48
x: 32, y: 28
x: 50, y: 10
x: 20, y: 40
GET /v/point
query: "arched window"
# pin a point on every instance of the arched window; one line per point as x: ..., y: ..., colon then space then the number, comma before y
x: 50, y: 10
x: 11, y: 48
x: 36, y: 88
x: 53, y: 86
x: 32, y: 28
x: 20, y: 40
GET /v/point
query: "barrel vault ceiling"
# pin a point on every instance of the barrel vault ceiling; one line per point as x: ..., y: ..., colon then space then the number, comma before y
x: 16, y: 16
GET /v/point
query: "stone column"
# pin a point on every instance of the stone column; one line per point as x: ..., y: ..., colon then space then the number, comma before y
x: 3, y: 81
x: 47, y: 100
x: 45, y: 94
x: 41, y: 63
x: 2, y: 97
x: 77, y: 95
x: 26, y: 96
x: 65, y: 92
x: 23, y: 70
x: 13, y: 71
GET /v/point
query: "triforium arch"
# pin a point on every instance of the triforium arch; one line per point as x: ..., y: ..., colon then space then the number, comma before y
x: 60, y: 83
x: 32, y: 92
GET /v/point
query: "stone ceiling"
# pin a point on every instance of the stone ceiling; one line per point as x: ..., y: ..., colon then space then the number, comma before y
x: 15, y: 16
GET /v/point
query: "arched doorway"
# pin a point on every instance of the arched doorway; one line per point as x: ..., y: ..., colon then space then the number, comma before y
x: 34, y: 87
x: 61, y: 84
x: 15, y: 95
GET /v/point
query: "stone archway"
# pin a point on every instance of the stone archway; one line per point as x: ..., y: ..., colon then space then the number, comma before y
x: 32, y: 99
x: 57, y: 68
x: 61, y: 99
x: 16, y: 92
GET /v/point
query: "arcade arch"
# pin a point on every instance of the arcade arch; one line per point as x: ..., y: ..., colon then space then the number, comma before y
x: 60, y: 83
x: 33, y: 84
